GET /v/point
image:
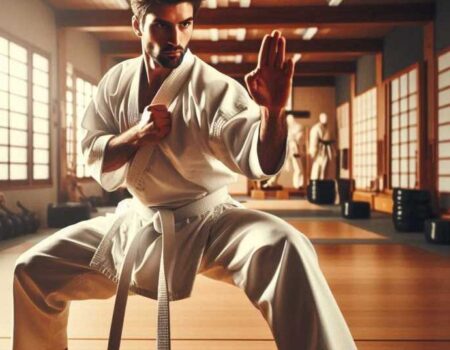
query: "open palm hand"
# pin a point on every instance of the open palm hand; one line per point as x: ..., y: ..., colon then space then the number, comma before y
x: 270, y: 84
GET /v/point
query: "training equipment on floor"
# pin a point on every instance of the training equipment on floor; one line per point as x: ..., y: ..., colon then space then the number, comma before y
x: 411, y: 209
x: 321, y: 191
x: 355, y: 210
x: 64, y: 214
x: 437, y: 231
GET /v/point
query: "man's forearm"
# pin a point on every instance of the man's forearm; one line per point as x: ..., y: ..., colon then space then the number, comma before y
x: 120, y: 150
x: 272, y: 139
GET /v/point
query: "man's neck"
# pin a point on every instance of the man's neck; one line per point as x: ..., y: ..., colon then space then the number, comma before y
x: 154, y: 72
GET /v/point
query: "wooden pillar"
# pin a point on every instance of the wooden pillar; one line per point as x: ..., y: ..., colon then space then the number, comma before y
x: 382, y: 125
x: 429, y: 85
x: 350, y: 123
x: 62, y: 153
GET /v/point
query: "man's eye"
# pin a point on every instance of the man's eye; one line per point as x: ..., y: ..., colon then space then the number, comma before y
x: 186, y: 24
x: 160, y: 25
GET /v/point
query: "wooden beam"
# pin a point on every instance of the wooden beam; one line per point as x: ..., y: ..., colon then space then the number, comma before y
x: 304, y: 81
x: 230, y: 47
x: 296, y: 16
x: 301, y: 68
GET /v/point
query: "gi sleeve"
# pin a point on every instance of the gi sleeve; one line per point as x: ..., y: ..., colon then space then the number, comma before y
x: 234, y: 134
x: 100, y: 125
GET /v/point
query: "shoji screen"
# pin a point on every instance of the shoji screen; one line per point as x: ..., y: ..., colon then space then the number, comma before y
x: 364, y: 139
x: 403, y: 128
x: 444, y: 123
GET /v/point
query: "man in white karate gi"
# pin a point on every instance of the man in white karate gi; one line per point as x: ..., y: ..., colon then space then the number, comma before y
x: 173, y: 130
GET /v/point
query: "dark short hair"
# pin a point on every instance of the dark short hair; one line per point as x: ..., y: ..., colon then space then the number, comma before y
x: 141, y: 7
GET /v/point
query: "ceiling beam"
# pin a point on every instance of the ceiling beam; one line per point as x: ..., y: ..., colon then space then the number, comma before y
x: 296, y: 16
x: 309, y: 81
x: 301, y: 68
x: 232, y: 47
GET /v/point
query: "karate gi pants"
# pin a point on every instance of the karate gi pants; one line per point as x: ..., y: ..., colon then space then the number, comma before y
x: 319, y: 167
x: 273, y: 263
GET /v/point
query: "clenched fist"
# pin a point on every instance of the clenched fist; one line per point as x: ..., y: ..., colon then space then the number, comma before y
x: 155, y: 124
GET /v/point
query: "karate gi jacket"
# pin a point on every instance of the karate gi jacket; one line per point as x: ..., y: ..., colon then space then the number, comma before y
x: 214, y: 135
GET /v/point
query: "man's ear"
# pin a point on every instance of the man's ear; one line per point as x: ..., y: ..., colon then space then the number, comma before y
x: 136, y: 26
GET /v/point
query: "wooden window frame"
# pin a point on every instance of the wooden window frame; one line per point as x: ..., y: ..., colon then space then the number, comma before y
x: 436, y: 124
x: 30, y: 183
x: 353, y: 157
x: 85, y: 78
x: 419, y: 122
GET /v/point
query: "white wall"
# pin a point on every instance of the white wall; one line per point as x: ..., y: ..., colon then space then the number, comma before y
x: 33, y: 22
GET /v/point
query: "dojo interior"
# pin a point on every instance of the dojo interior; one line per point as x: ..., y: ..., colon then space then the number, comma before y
x: 379, y: 70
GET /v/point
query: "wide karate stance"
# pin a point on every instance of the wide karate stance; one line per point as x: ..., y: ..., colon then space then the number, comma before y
x: 174, y: 130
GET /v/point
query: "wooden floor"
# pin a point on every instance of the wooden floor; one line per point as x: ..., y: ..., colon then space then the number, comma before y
x: 394, y: 297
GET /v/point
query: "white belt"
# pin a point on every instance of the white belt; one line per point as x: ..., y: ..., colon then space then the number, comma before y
x: 164, y: 222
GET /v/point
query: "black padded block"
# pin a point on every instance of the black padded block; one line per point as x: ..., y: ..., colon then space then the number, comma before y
x: 65, y: 214
x: 355, y: 210
x: 321, y: 192
x: 437, y: 231
x: 345, y: 189
x: 403, y: 195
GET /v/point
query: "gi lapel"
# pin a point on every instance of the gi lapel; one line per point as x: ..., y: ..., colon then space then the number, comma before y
x: 166, y: 94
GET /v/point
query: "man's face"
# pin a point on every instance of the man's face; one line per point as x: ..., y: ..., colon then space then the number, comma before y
x: 165, y: 33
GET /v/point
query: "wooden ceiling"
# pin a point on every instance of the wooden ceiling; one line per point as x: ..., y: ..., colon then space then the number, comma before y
x: 229, y: 36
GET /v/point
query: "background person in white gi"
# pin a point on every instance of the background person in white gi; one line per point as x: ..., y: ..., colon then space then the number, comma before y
x: 203, y: 126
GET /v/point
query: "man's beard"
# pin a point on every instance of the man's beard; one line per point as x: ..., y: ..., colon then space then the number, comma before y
x: 168, y: 61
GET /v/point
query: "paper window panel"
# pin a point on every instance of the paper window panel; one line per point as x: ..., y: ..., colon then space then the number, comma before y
x: 444, y: 61
x: 40, y: 125
x: 18, y: 172
x: 404, y: 180
x: 18, y: 52
x: 18, y: 154
x: 412, y: 76
x: 444, y: 132
x: 444, y: 115
x: 443, y: 149
x: 395, y: 86
x: 18, y: 86
x: 18, y: 70
x: 4, y: 82
x: 4, y: 136
x: 444, y: 98
x: 41, y: 172
x: 444, y: 184
x: 4, y: 100
x: 364, y: 139
x: 412, y: 133
x: 40, y: 63
x: 18, y: 138
x: 4, y: 118
x: 40, y: 94
x: 4, y: 154
x: 403, y: 85
x: 404, y: 131
x: 18, y: 121
x: 413, y: 149
x: 41, y: 156
x: 444, y: 167
x: 4, y: 46
x: 4, y: 64
x: 18, y: 104
x: 413, y: 101
x: 41, y: 141
x: 41, y: 110
x: 40, y: 78
x: 4, y: 171
x: 444, y: 79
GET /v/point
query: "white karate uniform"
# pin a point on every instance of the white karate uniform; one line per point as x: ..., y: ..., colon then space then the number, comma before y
x: 215, y: 129
x: 320, y: 152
